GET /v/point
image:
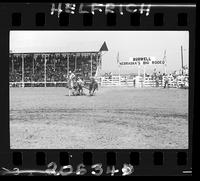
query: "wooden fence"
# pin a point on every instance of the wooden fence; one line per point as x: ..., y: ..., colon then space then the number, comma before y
x: 137, y: 82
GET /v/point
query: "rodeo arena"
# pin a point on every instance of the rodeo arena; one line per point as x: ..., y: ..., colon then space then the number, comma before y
x: 62, y: 100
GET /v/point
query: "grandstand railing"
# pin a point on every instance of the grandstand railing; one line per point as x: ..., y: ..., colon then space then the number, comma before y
x: 37, y: 84
x: 106, y: 81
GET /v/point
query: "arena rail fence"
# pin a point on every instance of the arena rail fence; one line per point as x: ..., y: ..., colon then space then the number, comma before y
x: 138, y: 82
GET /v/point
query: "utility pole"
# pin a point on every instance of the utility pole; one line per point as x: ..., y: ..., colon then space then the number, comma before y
x: 165, y: 62
x: 182, y: 59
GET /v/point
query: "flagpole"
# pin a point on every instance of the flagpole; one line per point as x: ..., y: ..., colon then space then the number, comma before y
x: 119, y: 68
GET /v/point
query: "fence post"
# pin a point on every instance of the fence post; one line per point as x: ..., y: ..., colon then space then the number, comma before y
x: 101, y: 81
x: 112, y: 81
x: 119, y: 80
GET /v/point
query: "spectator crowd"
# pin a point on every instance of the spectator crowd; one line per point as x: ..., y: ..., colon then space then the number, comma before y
x: 56, y: 67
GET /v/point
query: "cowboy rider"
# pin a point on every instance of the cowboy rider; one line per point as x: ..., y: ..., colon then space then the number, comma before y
x: 71, y: 77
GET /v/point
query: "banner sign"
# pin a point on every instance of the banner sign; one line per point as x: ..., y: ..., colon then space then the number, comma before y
x: 142, y: 61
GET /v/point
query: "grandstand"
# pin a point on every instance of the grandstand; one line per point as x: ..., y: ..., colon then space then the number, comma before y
x: 33, y: 67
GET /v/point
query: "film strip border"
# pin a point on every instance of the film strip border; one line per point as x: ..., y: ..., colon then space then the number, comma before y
x: 97, y: 162
x: 144, y: 162
x: 142, y: 16
x: 111, y: 20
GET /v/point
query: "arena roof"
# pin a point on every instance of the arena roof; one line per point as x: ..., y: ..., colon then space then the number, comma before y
x: 71, y: 47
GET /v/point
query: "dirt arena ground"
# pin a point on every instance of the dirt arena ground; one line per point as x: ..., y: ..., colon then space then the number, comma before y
x: 115, y: 118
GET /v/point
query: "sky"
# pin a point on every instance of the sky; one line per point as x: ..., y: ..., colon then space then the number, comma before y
x: 127, y: 43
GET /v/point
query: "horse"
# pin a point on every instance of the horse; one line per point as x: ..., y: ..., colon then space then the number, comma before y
x: 80, y: 85
x: 93, y: 85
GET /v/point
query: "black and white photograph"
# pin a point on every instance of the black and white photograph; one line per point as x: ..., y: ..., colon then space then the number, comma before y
x: 98, y: 89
